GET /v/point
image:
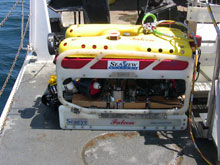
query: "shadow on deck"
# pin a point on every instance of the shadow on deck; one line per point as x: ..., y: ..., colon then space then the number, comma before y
x: 42, y: 116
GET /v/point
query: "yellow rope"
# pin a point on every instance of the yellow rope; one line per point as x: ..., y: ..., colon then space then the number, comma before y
x: 190, y: 112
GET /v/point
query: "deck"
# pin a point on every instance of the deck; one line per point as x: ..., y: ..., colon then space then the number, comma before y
x: 32, y: 135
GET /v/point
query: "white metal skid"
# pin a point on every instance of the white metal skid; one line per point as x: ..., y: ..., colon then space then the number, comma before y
x: 73, y: 116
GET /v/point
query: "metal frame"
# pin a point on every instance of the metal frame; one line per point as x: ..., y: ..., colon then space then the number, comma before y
x: 216, y: 124
x: 147, y: 73
x: 70, y: 120
x: 211, y: 98
x: 200, y: 14
x: 213, y: 121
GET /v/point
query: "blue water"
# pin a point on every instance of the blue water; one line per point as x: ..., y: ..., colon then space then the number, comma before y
x: 9, y: 44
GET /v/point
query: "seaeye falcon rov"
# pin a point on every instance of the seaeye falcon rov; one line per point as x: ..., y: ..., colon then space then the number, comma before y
x: 125, y: 77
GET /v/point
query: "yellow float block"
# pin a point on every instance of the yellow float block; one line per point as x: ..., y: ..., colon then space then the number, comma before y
x: 130, y: 37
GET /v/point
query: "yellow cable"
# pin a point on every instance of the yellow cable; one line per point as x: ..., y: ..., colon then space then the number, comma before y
x: 190, y: 112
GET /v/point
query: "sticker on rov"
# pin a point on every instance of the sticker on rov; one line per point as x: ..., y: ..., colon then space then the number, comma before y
x: 76, y: 122
x: 132, y: 65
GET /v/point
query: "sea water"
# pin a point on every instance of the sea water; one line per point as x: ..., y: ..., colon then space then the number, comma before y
x: 10, y: 36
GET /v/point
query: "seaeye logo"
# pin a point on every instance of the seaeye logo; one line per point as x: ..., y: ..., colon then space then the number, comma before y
x: 121, y: 122
x: 132, y: 65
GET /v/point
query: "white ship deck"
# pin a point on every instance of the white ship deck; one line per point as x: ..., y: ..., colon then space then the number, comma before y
x: 32, y: 135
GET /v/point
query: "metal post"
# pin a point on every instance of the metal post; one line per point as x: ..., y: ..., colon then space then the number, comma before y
x: 215, y: 77
x: 217, y: 102
x: 39, y: 29
x: 215, y: 73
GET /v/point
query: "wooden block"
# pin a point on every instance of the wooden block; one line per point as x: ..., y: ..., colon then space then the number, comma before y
x: 137, y: 105
x: 84, y: 101
x: 158, y: 102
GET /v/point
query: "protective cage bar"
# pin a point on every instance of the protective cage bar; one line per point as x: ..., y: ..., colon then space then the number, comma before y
x: 70, y: 120
x: 147, y: 73
x: 73, y: 116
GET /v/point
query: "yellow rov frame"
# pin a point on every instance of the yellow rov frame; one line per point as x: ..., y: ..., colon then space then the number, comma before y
x: 132, y: 42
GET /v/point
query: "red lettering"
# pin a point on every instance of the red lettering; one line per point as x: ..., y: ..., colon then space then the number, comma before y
x: 123, y: 122
x: 142, y: 39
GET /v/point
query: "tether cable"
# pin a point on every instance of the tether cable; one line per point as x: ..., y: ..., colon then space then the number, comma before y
x: 190, y: 111
x: 152, y: 29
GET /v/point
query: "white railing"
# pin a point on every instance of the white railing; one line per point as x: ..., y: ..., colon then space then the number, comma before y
x: 217, y: 117
x: 39, y: 29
